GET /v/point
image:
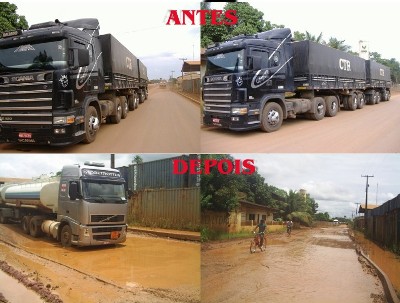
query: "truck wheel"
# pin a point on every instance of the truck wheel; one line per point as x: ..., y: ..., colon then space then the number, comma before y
x: 133, y: 102
x: 378, y: 97
x: 272, y: 117
x: 319, y: 109
x: 332, y: 106
x: 124, y: 106
x: 25, y: 223
x: 361, y: 100
x: 352, y: 102
x: 92, y: 124
x: 146, y: 94
x: 35, y: 227
x: 373, y: 98
x: 118, y: 111
x: 3, y: 219
x: 66, y: 236
x: 141, y: 96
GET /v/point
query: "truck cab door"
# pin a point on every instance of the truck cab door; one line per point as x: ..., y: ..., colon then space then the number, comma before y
x: 68, y: 207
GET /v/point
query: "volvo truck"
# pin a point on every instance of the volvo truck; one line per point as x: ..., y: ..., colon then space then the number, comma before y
x: 84, y: 205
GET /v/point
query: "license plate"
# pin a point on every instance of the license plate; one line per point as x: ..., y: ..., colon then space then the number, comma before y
x: 25, y: 135
x: 215, y: 120
x: 114, y: 235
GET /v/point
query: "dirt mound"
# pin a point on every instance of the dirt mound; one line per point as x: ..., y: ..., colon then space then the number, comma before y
x: 37, y: 287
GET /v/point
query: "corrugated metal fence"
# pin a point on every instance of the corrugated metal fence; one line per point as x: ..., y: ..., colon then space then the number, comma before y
x: 383, y: 223
x: 159, y: 174
x: 177, y: 208
x: 160, y: 197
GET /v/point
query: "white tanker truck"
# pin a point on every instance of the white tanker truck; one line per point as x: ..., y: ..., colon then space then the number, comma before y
x: 84, y: 206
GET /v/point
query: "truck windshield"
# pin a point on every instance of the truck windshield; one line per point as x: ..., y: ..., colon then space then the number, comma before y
x: 103, y: 192
x: 43, y: 56
x: 225, y: 62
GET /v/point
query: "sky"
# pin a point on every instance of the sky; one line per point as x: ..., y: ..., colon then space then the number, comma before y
x: 333, y: 180
x: 139, y: 25
x: 21, y: 166
x: 349, y: 20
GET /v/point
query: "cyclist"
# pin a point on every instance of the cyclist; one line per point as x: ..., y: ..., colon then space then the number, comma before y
x: 261, y: 231
x: 289, y: 225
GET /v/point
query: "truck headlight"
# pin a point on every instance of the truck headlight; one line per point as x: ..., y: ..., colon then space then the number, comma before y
x: 239, y: 111
x: 64, y: 120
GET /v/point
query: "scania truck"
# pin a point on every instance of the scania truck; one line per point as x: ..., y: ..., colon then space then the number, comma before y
x: 85, y: 205
x: 60, y: 80
x: 258, y: 81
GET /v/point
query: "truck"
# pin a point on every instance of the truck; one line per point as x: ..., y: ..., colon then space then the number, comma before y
x: 84, y: 205
x: 59, y: 81
x: 259, y: 80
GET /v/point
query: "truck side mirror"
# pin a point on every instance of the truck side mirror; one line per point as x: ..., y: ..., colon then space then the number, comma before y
x: 81, y: 57
x: 73, y: 191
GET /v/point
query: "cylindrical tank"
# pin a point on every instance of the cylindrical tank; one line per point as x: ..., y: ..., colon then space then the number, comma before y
x: 38, y: 194
x: 50, y: 227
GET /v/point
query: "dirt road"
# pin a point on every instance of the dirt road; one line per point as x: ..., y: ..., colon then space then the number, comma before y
x: 373, y: 129
x: 143, y: 269
x: 318, y: 265
x: 166, y: 122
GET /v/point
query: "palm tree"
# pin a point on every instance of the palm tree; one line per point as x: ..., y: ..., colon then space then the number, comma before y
x: 309, y: 36
x: 338, y: 44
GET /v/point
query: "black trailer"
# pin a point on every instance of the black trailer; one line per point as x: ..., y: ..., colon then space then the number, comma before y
x: 120, y: 65
x: 317, y: 66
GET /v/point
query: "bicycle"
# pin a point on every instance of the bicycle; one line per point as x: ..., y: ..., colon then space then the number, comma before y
x: 256, y: 243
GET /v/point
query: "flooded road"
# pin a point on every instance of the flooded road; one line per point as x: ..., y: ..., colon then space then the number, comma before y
x: 314, y: 265
x: 386, y: 260
x: 144, y: 269
x: 14, y: 292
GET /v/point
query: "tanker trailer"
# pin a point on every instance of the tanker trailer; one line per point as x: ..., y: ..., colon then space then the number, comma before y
x: 85, y: 205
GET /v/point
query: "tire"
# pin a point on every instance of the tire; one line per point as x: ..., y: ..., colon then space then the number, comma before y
x: 373, y: 98
x: 3, y: 220
x: 116, y: 118
x: 133, y: 102
x: 352, y: 102
x: 378, y: 97
x: 141, y: 96
x: 66, y: 236
x: 361, y: 100
x: 124, y: 106
x: 253, y: 247
x: 146, y: 94
x: 319, y: 107
x: 272, y: 117
x: 35, y: 229
x: 25, y: 224
x: 332, y: 106
x: 92, y: 124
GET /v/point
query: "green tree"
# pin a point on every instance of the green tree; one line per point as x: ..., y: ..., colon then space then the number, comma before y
x: 338, y: 44
x: 314, y: 38
x: 9, y: 19
x: 250, y: 21
x: 137, y: 159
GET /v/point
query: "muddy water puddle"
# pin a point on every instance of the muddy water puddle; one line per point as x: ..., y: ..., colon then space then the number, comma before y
x: 311, y: 266
x: 386, y: 260
x: 140, y: 261
x: 15, y: 292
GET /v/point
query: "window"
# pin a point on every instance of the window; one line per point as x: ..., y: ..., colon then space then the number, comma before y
x: 263, y: 54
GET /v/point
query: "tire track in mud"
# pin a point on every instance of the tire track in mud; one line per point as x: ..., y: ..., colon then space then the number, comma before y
x: 139, y: 294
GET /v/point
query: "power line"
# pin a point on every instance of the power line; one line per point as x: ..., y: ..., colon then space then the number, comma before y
x: 366, y: 199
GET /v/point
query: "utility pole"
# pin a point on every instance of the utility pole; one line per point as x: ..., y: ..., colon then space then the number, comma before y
x: 366, y: 199
x: 183, y: 61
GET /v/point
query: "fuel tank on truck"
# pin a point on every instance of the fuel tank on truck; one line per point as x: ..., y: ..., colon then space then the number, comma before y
x: 42, y: 194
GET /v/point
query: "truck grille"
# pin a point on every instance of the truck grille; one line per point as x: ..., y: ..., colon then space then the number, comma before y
x: 26, y: 104
x: 97, y: 230
x: 107, y: 218
x: 217, y: 97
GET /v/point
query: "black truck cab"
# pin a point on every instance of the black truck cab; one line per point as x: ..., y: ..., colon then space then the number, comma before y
x: 49, y: 76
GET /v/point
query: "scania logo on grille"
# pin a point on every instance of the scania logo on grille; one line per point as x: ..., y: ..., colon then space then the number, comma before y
x: 25, y: 78
x: 217, y: 78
